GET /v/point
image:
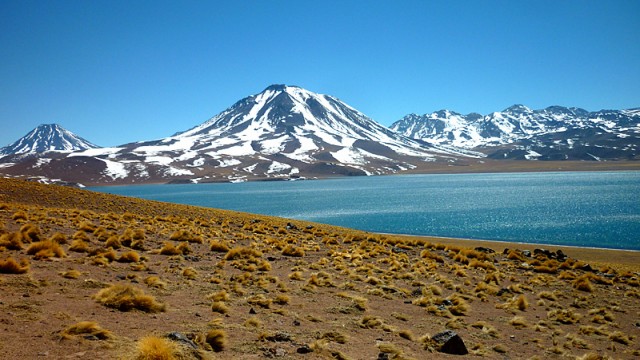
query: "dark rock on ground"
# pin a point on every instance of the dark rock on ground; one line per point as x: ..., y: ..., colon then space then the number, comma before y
x: 449, y: 342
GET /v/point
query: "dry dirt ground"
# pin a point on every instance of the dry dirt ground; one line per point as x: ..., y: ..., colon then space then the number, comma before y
x: 196, y: 283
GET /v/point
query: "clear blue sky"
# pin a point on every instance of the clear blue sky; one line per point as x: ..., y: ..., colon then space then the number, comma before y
x: 120, y: 71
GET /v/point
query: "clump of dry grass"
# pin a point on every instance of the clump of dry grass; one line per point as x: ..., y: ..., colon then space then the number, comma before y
x: 221, y: 295
x: 583, y: 284
x: 190, y: 273
x: 126, y: 298
x: 11, y: 266
x: 45, y: 249
x: 334, y: 336
x: 183, y: 235
x: 620, y: 337
x: 293, y: 251
x: 218, y: 246
x: 155, y: 282
x: 156, y: 348
x: 79, y: 245
x: 219, y: 307
x: 564, y: 316
x: 370, y: 322
x: 281, y: 299
x: 217, y: 339
x: 86, y: 328
x: 12, y: 241
x: 518, y: 322
x: 71, y: 274
x: 20, y: 216
x: 129, y: 257
x: 242, y: 253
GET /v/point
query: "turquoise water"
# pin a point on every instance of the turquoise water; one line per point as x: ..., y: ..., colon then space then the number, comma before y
x: 592, y: 209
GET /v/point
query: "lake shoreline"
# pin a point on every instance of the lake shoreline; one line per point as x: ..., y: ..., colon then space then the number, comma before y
x: 488, y: 167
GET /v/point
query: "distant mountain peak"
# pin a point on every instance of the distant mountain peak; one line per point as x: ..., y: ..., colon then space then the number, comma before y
x: 47, y: 137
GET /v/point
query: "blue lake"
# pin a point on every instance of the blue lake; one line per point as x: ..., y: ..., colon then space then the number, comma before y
x: 592, y: 209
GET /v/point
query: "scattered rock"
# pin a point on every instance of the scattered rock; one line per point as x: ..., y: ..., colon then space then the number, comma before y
x: 178, y: 337
x: 279, y: 336
x: 296, y: 323
x: 449, y: 342
x: 383, y: 356
x: 526, y: 253
x: 304, y: 349
x: 586, y: 267
x: 397, y: 250
x: 252, y: 311
x: 290, y: 226
x: 503, y: 291
x: 485, y: 250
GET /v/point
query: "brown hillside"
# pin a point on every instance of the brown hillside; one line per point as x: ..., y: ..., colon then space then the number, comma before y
x: 90, y: 275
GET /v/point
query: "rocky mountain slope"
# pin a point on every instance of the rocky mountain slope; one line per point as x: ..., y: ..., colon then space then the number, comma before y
x: 47, y: 137
x: 553, y: 133
x: 284, y: 132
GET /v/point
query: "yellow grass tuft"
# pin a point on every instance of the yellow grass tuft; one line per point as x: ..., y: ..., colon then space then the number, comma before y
x: 521, y: 303
x: 126, y: 298
x: 620, y: 337
x: 12, y: 241
x: 217, y: 339
x: 155, y: 282
x: 156, y: 348
x: 129, y: 257
x: 219, y: 307
x: 519, y: 322
x: 45, y: 249
x: 583, y: 284
x: 10, y: 266
x: 293, y: 251
x: 218, y: 246
x: 564, y: 316
x: 190, y: 273
x: 242, y: 253
x: 80, y: 246
x: 86, y: 328
x: 183, y: 235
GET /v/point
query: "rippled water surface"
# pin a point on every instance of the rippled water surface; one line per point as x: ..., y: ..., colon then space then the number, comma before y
x: 594, y: 209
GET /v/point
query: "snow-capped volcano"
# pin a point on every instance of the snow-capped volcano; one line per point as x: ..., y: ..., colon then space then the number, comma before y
x: 47, y: 137
x: 300, y: 125
x: 553, y: 133
x: 282, y: 132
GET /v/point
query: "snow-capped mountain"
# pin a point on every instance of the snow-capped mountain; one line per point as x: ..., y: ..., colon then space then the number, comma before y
x: 47, y: 137
x: 282, y: 132
x: 553, y: 133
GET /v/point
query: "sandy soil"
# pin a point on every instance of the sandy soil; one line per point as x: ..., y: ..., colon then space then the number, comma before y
x: 263, y: 287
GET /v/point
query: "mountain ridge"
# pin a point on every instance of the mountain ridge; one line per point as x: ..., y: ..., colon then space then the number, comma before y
x: 283, y: 132
x: 518, y: 132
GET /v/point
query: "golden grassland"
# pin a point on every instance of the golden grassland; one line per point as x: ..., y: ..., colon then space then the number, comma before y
x: 89, y: 275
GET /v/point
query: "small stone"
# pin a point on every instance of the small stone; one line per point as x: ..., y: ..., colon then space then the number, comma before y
x: 304, y: 349
x: 296, y: 323
x: 252, y: 311
x: 178, y: 337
